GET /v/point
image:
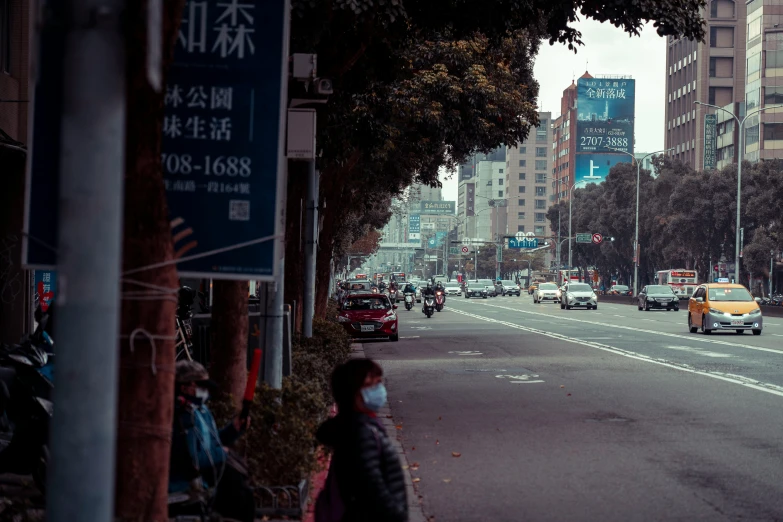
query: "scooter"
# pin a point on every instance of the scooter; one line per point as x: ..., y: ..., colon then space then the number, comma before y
x: 439, y: 301
x: 429, y: 306
x: 26, y: 385
x: 409, y: 301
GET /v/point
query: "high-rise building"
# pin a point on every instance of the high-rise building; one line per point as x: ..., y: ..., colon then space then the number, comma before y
x: 711, y: 72
x: 529, y: 168
x: 564, y: 144
x: 481, y: 183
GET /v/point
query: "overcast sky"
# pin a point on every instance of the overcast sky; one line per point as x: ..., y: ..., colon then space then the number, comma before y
x: 606, y: 50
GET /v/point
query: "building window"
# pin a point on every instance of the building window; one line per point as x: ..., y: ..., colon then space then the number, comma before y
x: 722, y: 37
x: 500, y: 171
x: 754, y: 64
x: 540, y: 177
x: 540, y: 231
x: 522, y: 163
x: 520, y: 215
x: 541, y: 204
x: 500, y: 182
x: 711, y: 95
x: 541, y: 135
x: 520, y: 228
x: 522, y: 176
x: 774, y: 59
x: 523, y: 150
x: 521, y: 202
x: 752, y: 99
x: 541, y: 165
x: 540, y: 217
x: 754, y: 28
x: 773, y: 95
x: 540, y: 152
x: 5, y: 36
x: 773, y: 131
x: 540, y: 191
x: 522, y: 189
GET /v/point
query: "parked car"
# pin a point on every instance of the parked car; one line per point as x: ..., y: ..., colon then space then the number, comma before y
x: 658, y: 296
x: 475, y: 289
x: 546, y: 292
x: 723, y: 306
x: 507, y: 287
x: 578, y: 294
x: 369, y: 315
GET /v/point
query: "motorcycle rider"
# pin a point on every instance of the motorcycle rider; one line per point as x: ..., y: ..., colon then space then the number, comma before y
x: 442, y: 289
x: 427, y: 291
x: 410, y: 288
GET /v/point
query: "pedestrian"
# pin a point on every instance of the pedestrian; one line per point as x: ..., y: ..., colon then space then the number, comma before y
x: 365, y: 481
x: 199, y: 452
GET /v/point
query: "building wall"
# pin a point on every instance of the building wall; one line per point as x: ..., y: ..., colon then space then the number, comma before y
x: 564, y: 145
x: 711, y: 72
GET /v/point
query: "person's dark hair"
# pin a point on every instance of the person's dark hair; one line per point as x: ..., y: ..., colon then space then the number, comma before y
x: 348, y: 379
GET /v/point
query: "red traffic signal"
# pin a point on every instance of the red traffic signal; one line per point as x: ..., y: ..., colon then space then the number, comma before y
x: 715, y: 268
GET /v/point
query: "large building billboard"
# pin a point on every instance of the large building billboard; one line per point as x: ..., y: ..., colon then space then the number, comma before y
x: 470, y: 200
x: 710, y: 141
x: 593, y: 168
x: 439, y: 207
x: 605, y: 114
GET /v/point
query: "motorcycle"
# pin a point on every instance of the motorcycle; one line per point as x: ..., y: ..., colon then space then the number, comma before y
x: 409, y: 301
x: 429, y: 306
x: 393, y: 296
x: 439, y: 301
x: 26, y: 385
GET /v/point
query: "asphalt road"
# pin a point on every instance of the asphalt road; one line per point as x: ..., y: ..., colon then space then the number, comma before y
x: 511, y: 411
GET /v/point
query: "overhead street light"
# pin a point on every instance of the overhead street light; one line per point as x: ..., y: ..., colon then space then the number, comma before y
x: 741, y: 124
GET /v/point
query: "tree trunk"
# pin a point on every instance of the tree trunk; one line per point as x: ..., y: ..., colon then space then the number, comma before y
x: 146, y: 384
x: 330, y: 192
x: 294, y: 233
x: 228, y: 366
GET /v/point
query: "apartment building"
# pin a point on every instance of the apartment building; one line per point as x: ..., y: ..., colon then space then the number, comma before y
x: 564, y: 144
x: 481, y: 188
x: 527, y: 180
x: 711, y: 72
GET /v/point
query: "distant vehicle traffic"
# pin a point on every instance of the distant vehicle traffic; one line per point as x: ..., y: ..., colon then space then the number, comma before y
x: 723, y: 306
x: 546, y: 292
x: 578, y: 294
x: 452, y: 289
x: 475, y: 289
x: 683, y: 282
x: 489, y: 285
x: 620, y: 290
x: 507, y: 287
x: 658, y: 296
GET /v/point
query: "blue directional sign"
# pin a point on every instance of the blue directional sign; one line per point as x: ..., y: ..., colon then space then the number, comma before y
x: 523, y: 243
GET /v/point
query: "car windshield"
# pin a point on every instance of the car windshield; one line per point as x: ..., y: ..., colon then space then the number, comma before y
x: 579, y: 287
x: 621, y: 288
x: 367, y: 303
x: 548, y: 286
x: 729, y: 294
x: 507, y: 282
x: 659, y: 289
x: 485, y: 282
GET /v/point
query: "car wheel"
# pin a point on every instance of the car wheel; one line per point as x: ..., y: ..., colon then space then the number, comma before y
x: 646, y: 306
x: 484, y: 297
x: 595, y: 307
x: 676, y: 308
x: 394, y: 338
x: 756, y: 332
x: 704, y: 329
x: 692, y: 328
x: 568, y: 307
x: 562, y: 306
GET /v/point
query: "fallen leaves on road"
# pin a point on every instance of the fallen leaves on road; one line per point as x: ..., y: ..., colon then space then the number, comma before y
x: 562, y: 386
x: 569, y: 395
x: 415, y: 466
x: 455, y: 454
x: 446, y: 480
x: 399, y: 426
x: 405, y: 467
x: 440, y: 418
x: 388, y: 416
x: 417, y: 479
x: 437, y: 442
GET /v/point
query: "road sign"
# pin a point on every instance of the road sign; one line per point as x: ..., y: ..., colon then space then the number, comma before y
x: 597, y: 238
x: 523, y: 243
x: 465, y: 249
x: 453, y: 250
x: 586, y: 237
x: 520, y: 235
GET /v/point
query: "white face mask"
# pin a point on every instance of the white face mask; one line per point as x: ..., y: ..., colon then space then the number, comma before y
x: 203, y: 394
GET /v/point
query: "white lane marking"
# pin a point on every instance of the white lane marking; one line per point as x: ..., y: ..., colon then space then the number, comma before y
x: 520, y: 379
x: 524, y: 382
x: 421, y: 328
x: 411, y: 337
x: 727, y: 377
x: 698, y: 351
x: 466, y: 352
x: 698, y: 338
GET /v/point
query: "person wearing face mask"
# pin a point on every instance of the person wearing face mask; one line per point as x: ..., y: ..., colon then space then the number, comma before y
x: 200, y: 459
x: 365, y: 472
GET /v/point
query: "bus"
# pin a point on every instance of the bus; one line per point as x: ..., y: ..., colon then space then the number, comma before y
x: 399, y: 277
x: 682, y: 281
x: 361, y: 276
x: 573, y: 275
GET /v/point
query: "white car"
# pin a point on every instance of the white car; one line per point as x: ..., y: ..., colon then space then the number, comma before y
x: 452, y: 290
x: 578, y: 294
x: 546, y: 292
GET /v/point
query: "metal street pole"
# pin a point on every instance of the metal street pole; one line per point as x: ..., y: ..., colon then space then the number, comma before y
x: 771, y: 269
x: 741, y: 125
x: 82, y: 441
x: 570, y: 209
x: 311, y: 246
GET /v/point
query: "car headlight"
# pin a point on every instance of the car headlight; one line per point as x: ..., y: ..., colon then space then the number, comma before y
x: 343, y: 319
x: 757, y: 311
x: 392, y: 317
x: 593, y: 296
x: 716, y: 311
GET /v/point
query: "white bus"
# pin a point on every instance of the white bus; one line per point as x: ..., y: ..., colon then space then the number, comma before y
x: 682, y: 281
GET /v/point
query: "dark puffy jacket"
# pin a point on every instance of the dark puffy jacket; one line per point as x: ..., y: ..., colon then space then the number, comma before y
x: 367, y: 468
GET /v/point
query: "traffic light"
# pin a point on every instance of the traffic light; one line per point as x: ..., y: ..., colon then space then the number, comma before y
x: 715, y: 268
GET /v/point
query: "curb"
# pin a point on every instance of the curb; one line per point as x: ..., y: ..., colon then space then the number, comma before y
x: 415, y: 509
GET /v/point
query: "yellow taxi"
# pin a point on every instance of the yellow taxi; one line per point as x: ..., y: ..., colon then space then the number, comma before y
x: 723, y: 306
x: 532, y: 288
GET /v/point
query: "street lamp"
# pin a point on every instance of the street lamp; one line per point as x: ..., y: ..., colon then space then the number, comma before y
x: 739, y: 173
x: 570, y: 207
x: 636, y: 233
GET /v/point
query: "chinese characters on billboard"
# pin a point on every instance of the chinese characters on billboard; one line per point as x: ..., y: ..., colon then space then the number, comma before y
x: 438, y: 207
x: 710, y: 141
x: 593, y: 168
x: 470, y: 200
x: 605, y: 114
x: 414, y: 228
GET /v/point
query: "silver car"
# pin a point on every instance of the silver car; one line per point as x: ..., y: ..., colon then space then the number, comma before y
x: 578, y: 294
x: 546, y: 292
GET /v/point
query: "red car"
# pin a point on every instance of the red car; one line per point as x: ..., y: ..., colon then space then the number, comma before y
x: 369, y: 316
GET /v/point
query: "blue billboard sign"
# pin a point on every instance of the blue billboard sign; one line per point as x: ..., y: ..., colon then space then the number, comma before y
x: 414, y: 228
x: 223, y: 137
x: 526, y: 242
x: 437, y: 239
x: 593, y: 168
x: 605, y: 114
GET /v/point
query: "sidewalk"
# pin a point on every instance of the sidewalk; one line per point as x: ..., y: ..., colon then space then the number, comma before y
x: 415, y: 512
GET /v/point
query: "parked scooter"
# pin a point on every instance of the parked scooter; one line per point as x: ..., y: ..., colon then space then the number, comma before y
x: 409, y: 298
x: 429, y: 305
x: 440, y: 300
x: 26, y: 385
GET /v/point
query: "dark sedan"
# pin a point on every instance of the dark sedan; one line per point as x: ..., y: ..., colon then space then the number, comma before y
x: 658, y: 296
x: 475, y: 289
